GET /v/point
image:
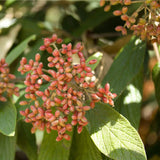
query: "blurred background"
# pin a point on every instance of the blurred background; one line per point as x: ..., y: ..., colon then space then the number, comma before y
x: 75, y: 21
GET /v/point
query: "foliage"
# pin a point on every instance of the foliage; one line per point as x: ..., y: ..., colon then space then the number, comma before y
x: 93, y: 100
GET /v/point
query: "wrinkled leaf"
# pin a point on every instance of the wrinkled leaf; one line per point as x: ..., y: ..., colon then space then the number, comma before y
x: 113, y: 134
x: 156, y: 80
x: 25, y: 140
x: 83, y: 148
x: 51, y: 149
x: 129, y: 102
x: 97, y: 56
x: 7, y: 147
x: 126, y: 66
x: 16, y: 52
x: 8, y: 116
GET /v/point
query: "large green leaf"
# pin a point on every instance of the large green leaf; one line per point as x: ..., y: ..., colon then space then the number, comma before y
x: 129, y: 102
x: 156, y: 80
x: 83, y: 147
x: 113, y: 134
x: 16, y: 52
x: 126, y: 66
x: 26, y: 141
x: 52, y: 150
x: 8, y: 116
x: 7, y: 147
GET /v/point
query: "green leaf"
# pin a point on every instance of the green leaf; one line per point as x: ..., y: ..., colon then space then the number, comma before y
x: 129, y: 102
x: 7, y: 147
x: 9, y: 2
x: 113, y: 134
x: 51, y: 149
x: 93, y: 19
x: 83, y: 147
x: 26, y: 141
x: 8, y: 116
x: 156, y: 80
x: 126, y: 66
x: 16, y: 52
x: 97, y: 16
x: 98, y: 57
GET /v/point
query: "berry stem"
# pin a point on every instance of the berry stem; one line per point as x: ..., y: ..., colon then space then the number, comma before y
x: 155, y: 47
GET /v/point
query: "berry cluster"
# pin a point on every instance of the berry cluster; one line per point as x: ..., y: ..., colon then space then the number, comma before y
x: 61, y: 105
x: 145, y: 26
x: 7, y: 88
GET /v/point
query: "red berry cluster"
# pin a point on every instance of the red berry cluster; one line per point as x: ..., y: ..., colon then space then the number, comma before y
x: 61, y: 105
x: 7, y: 88
x: 147, y: 26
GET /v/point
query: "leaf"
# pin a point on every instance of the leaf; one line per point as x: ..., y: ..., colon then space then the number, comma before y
x: 9, y: 2
x: 129, y: 102
x: 51, y: 149
x: 98, y: 57
x: 113, y: 134
x: 93, y: 19
x: 83, y: 148
x: 8, y: 116
x: 6, y: 41
x: 97, y: 17
x: 7, y: 147
x: 126, y: 66
x: 156, y: 80
x: 16, y: 52
x: 25, y: 140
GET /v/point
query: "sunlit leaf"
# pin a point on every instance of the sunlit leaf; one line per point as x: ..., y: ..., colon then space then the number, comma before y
x: 113, y: 134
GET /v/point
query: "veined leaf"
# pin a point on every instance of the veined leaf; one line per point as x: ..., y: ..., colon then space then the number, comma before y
x: 26, y: 141
x: 16, y: 52
x: 126, y: 66
x: 7, y: 147
x: 83, y: 148
x: 51, y: 149
x: 8, y: 116
x: 113, y: 134
x: 129, y: 102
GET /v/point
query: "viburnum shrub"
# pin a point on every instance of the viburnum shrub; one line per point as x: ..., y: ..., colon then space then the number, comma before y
x: 144, y: 21
x: 62, y: 104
